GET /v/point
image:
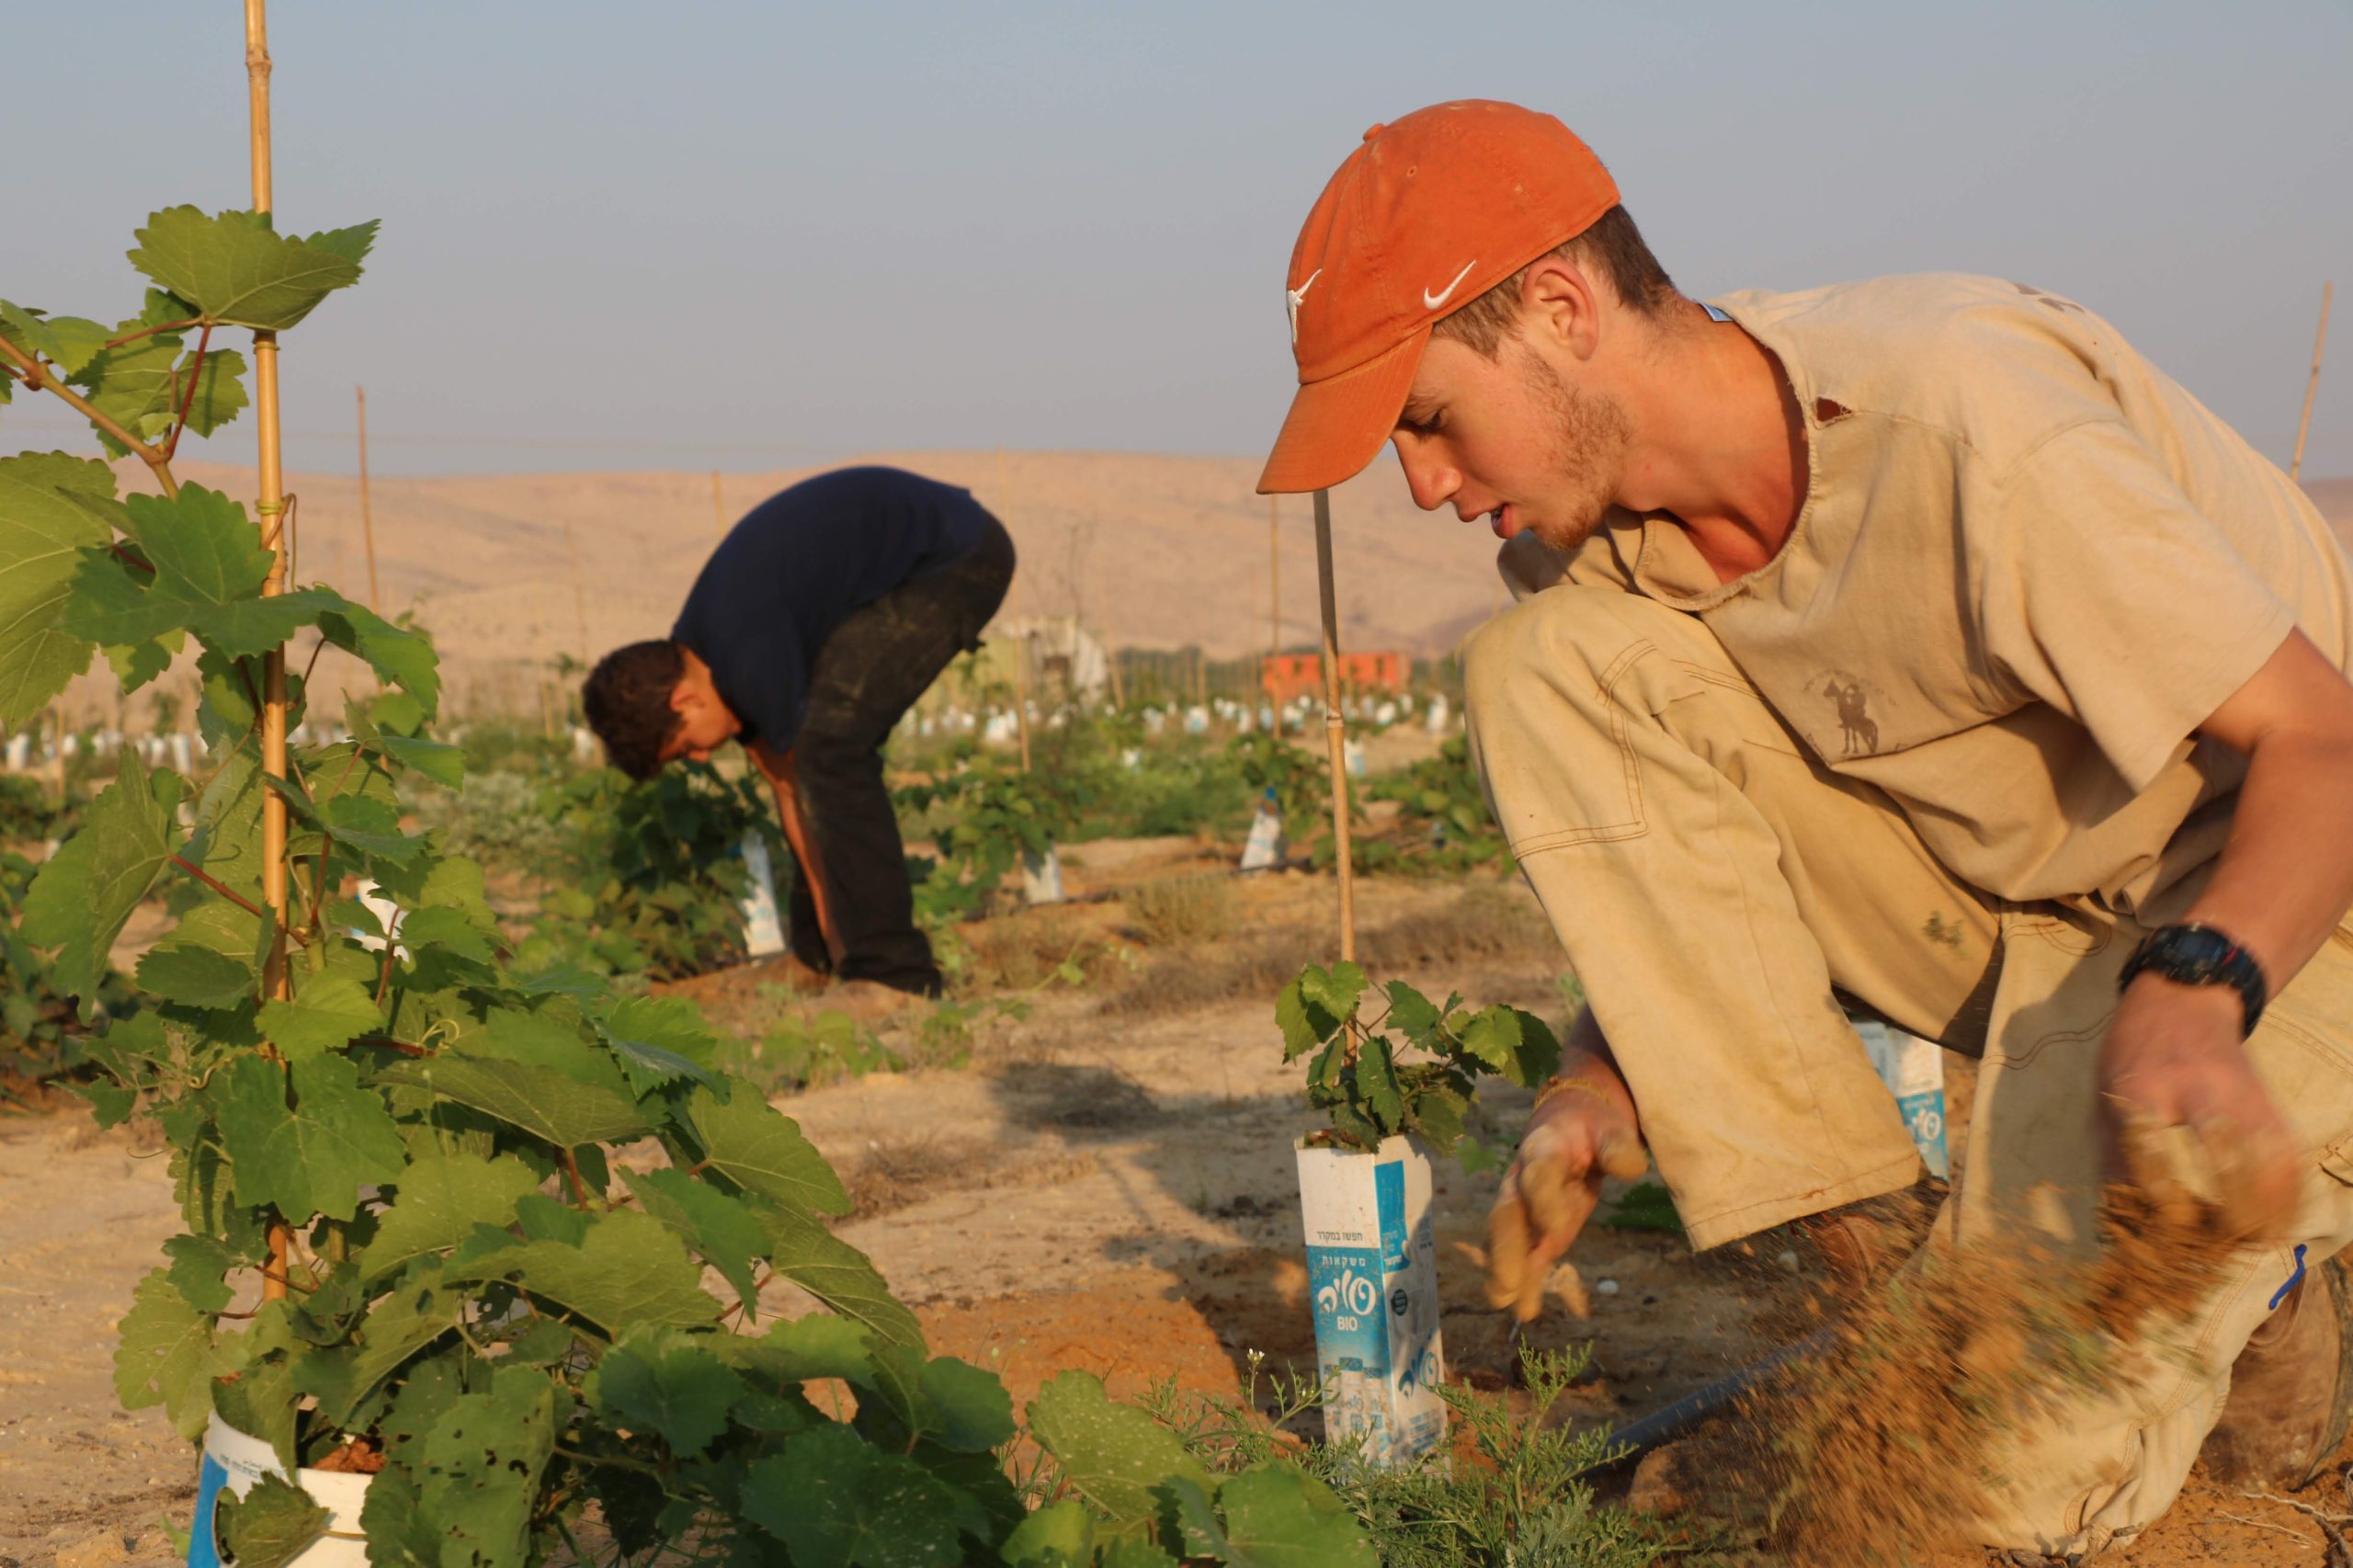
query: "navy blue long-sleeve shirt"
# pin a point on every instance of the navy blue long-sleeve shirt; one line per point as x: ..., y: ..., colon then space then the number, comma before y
x: 798, y: 565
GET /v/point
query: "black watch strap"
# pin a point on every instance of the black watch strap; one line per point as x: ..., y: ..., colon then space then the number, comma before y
x: 2200, y: 955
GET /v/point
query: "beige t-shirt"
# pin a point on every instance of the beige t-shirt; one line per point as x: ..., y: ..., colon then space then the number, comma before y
x: 2029, y: 565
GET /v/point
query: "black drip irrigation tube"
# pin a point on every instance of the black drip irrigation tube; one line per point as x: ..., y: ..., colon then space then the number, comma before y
x: 1663, y: 1427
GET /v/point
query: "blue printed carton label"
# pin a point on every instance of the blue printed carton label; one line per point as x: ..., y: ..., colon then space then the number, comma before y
x: 1372, y: 1283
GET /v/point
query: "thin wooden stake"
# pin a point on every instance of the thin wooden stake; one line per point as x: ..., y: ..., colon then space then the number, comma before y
x: 1021, y: 695
x: 367, y: 514
x: 2312, y: 385
x: 1021, y: 644
x: 272, y: 509
x: 1336, y: 736
x: 718, y: 507
x: 1274, y: 575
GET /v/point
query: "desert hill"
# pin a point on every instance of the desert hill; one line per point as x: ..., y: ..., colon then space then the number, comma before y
x: 1148, y: 551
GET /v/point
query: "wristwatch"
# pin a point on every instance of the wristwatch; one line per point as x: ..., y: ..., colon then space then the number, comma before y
x: 2200, y: 955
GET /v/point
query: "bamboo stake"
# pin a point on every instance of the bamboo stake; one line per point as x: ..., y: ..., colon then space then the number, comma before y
x: 1336, y: 737
x: 2312, y: 385
x: 272, y: 509
x: 367, y: 517
x: 718, y: 507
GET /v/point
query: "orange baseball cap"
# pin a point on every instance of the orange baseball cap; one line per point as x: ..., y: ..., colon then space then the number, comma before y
x: 1428, y: 213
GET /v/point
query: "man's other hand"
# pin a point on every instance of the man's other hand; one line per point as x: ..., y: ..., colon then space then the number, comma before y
x: 2173, y: 1060
x: 1582, y: 1129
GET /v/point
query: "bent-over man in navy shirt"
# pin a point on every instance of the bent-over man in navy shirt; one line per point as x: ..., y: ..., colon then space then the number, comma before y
x: 816, y: 624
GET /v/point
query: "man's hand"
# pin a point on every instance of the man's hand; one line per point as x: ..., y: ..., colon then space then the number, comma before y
x: 2173, y: 1059
x: 1582, y: 1129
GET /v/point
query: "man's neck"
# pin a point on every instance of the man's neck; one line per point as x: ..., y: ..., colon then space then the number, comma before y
x: 1720, y: 445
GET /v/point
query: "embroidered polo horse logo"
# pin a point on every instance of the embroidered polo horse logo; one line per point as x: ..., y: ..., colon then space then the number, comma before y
x: 1857, y: 729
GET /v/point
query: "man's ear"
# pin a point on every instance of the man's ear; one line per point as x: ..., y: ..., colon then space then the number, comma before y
x: 1561, y: 304
x: 684, y: 697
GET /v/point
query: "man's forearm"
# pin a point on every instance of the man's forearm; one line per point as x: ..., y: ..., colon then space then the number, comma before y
x: 778, y: 769
x: 2285, y: 878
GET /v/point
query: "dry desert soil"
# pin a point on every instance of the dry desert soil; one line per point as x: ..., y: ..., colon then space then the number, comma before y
x: 1106, y: 1183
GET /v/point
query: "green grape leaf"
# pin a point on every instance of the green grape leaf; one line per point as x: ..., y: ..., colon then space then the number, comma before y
x: 478, y: 1475
x: 1519, y: 1045
x: 1278, y: 1515
x: 195, y: 976
x: 45, y: 524
x: 1333, y: 992
x: 83, y: 893
x: 330, y: 1012
x: 132, y: 385
x: 204, y: 547
x: 443, y: 763
x: 234, y: 269
x: 401, y: 656
x: 1438, y: 1113
x: 540, y: 1100
x: 1060, y: 1535
x: 313, y: 1158
x: 816, y: 1346
x: 352, y: 243
x: 249, y: 628
x: 405, y: 1322
x: 1290, y: 1016
x: 837, y: 1501
x: 840, y: 1275
x: 672, y: 1382
x: 274, y: 1523
x: 220, y: 389
x: 1377, y: 1085
x: 256, y: 1395
x: 143, y: 661
x: 1413, y: 1014
x: 447, y: 929
x: 761, y: 1150
x: 722, y: 1228
x: 198, y: 1266
x: 543, y: 1040
x: 439, y: 1201
x: 1114, y: 1455
x: 966, y: 1409
x: 367, y: 823
x: 67, y: 342
x: 659, y: 1040
x: 166, y: 1355
x: 628, y: 1269
x: 1134, y: 1553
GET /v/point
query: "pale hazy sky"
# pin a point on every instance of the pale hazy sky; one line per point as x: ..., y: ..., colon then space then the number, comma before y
x: 741, y: 235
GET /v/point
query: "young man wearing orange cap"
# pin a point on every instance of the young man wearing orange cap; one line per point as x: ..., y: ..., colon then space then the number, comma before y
x: 1912, y: 642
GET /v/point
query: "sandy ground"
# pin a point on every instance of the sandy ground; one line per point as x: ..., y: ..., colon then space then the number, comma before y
x: 1107, y: 1184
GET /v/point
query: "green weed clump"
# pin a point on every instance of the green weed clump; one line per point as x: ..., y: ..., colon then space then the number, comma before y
x: 650, y: 880
x: 1515, y: 1499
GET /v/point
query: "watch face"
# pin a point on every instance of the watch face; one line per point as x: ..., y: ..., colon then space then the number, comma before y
x: 2194, y: 953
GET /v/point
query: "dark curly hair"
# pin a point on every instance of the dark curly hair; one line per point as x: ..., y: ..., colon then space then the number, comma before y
x: 627, y: 702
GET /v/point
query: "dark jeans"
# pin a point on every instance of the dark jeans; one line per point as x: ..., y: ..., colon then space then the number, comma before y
x: 868, y: 674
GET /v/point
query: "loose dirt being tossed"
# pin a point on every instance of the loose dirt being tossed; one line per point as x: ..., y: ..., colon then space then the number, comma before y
x: 1107, y: 1183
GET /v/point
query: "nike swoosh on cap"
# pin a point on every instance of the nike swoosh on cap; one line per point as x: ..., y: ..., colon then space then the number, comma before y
x: 1431, y: 302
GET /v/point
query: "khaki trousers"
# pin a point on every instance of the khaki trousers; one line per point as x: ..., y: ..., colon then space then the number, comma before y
x: 1717, y: 889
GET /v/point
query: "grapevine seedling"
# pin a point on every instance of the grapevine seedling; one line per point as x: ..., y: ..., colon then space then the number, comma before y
x: 1358, y: 1072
